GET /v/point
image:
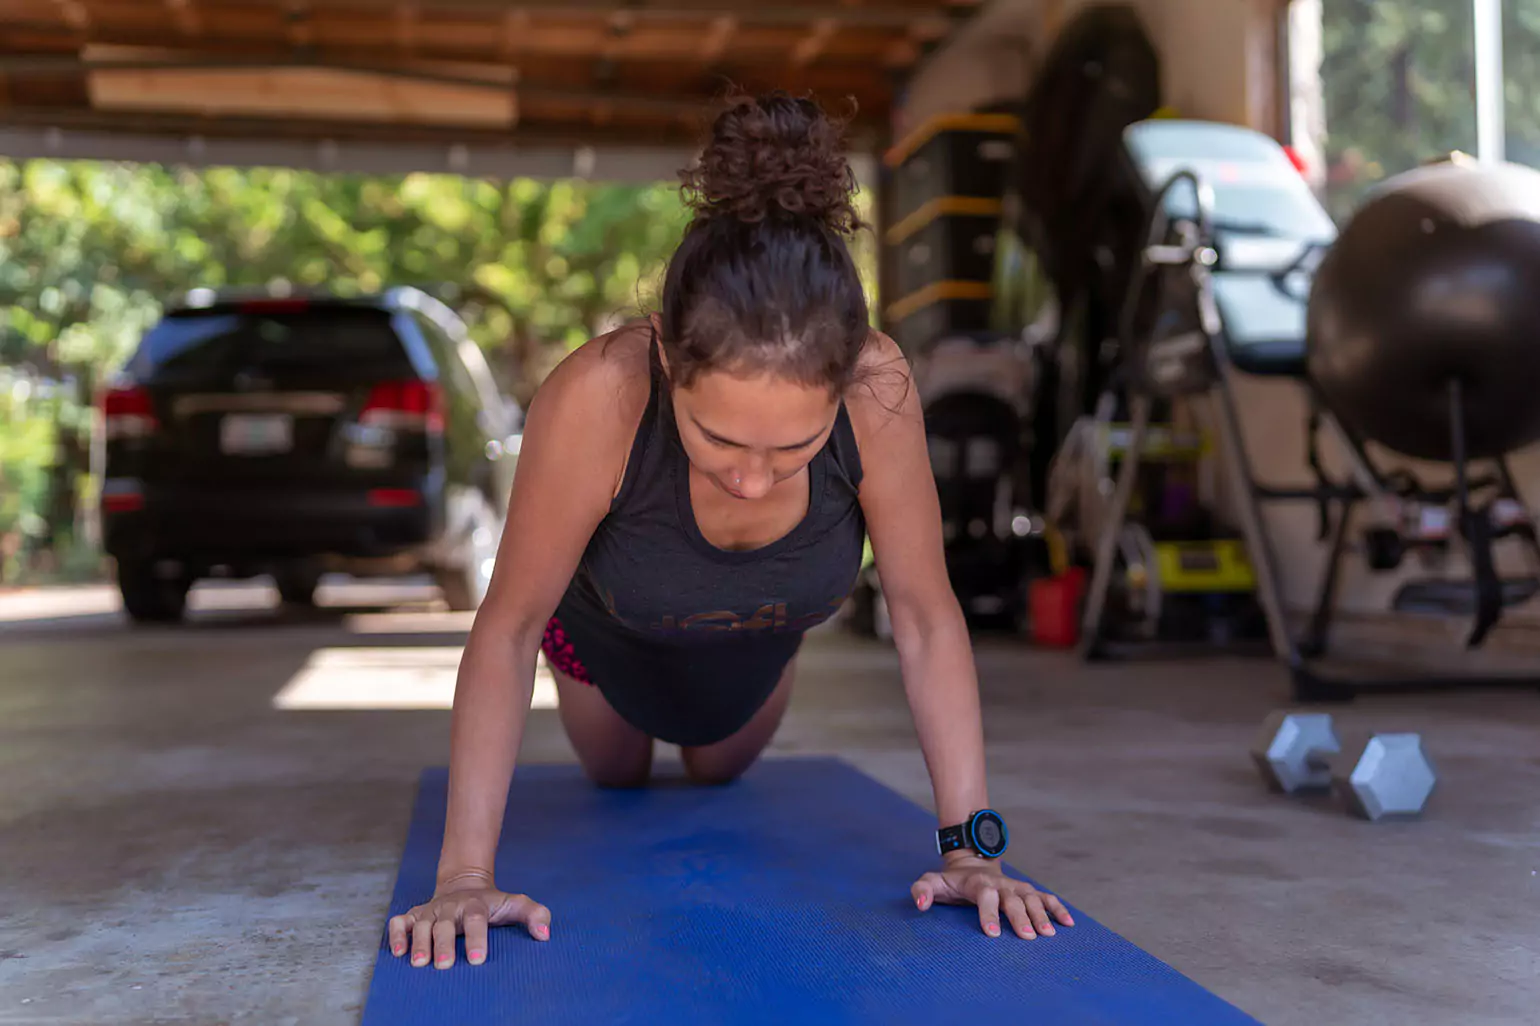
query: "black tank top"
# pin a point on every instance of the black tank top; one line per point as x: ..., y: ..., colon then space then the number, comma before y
x: 687, y: 640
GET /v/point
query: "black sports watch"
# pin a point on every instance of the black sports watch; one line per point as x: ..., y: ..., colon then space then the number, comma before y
x: 984, y: 832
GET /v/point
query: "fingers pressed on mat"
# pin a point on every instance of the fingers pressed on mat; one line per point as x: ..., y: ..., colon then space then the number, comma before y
x: 536, y: 917
x: 989, y: 911
x: 422, y: 942
x: 444, y: 943
x: 923, y: 894
x: 1016, y: 911
x: 476, y: 936
x: 400, y: 928
x: 1039, y: 916
x: 1059, y: 911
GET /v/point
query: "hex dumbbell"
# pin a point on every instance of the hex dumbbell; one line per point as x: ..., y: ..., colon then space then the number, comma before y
x: 1388, y: 775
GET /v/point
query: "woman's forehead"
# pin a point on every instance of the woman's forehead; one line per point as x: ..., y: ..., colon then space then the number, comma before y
x: 762, y: 410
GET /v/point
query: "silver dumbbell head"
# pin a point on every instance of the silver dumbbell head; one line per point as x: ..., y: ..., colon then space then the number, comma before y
x: 1291, y: 749
x: 1393, y: 777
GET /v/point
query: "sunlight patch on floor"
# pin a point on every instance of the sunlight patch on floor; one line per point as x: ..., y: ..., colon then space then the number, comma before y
x: 387, y: 678
x: 26, y: 604
x: 408, y: 622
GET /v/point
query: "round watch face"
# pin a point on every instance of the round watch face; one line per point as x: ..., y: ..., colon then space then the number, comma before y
x: 989, y: 832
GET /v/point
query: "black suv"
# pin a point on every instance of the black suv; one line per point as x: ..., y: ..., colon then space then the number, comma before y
x: 293, y: 435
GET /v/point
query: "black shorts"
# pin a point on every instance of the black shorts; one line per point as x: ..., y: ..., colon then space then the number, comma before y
x: 682, y: 690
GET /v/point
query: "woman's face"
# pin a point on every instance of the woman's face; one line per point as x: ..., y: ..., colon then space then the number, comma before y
x: 746, y: 434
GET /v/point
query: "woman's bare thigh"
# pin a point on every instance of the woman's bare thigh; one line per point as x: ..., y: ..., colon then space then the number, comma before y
x: 612, y: 751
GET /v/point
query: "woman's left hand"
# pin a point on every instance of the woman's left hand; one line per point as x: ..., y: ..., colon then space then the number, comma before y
x: 981, y: 882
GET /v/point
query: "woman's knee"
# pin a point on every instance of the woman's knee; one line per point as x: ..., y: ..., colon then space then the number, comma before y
x: 618, y: 777
x: 709, y: 769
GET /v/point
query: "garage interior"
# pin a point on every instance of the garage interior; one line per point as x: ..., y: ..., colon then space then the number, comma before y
x: 203, y: 823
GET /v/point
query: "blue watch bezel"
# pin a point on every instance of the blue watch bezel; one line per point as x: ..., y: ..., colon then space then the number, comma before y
x: 973, y: 835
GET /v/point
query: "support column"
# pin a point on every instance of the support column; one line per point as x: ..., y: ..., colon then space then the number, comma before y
x: 1491, y: 128
x: 1306, y: 95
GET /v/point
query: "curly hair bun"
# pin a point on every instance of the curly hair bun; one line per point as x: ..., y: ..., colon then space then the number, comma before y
x: 773, y: 156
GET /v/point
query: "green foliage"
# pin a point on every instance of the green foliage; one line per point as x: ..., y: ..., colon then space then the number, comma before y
x: 1399, y: 78
x: 28, y: 444
x: 1521, y: 79
x: 90, y: 251
x: 26, y: 449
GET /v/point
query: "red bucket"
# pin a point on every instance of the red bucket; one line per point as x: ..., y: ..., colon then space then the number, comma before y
x: 1054, y: 605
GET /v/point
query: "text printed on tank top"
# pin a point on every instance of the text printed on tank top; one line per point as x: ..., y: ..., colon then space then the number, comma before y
x: 773, y: 616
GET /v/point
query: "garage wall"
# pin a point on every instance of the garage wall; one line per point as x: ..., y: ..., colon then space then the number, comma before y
x: 1222, y: 60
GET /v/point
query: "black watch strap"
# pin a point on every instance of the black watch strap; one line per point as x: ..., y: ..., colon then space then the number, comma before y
x: 952, y: 838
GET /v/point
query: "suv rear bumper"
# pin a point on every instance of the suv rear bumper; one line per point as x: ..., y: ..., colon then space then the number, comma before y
x: 217, y: 526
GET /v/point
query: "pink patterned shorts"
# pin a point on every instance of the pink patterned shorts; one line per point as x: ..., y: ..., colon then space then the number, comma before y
x: 559, y: 654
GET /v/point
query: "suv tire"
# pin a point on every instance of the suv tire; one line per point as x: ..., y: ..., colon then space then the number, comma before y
x: 296, y: 584
x: 149, y: 598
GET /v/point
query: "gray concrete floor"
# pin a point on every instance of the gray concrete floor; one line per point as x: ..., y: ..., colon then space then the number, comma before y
x: 173, y: 848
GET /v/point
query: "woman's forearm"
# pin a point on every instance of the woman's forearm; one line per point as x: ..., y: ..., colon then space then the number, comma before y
x: 492, y: 699
x: 936, y: 657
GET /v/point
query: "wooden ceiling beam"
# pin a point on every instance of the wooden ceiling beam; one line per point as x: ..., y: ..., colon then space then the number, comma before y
x: 517, y: 37
x: 185, y: 16
x: 637, y: 131
x: 820, y: 75
x: 687, y: 95
x: 406, y: 28
x: 297, y: 29
x: 874, y: 15
x: 807, y: 51
x: 718, y: 37
x: 74, y: 14
x: 515, y: 33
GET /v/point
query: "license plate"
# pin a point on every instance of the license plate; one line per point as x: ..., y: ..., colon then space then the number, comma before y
x: 256, y: 434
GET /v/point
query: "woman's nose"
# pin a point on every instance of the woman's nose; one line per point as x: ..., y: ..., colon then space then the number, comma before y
x: 755, y: 480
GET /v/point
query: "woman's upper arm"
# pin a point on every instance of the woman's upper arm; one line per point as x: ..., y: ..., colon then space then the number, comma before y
x: 898, y: 490
x: 577, y: 435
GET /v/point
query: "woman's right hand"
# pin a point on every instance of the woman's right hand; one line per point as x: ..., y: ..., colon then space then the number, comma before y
x: 467, y: 904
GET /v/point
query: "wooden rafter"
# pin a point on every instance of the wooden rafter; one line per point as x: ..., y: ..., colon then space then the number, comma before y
x: 605, y: 69
x: 873, y: 14
x: 515, y: 33
x: 811, y: 45
x: 184, y: 15
x: 297, y: 28
x: 718, y: 37
x: 74, y: 13
x: 406, y: 28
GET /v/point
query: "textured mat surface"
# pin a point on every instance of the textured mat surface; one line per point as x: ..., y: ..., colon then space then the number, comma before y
x: 783, y: 898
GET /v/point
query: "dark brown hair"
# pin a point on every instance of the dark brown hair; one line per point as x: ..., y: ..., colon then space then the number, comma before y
x: 763, y: 281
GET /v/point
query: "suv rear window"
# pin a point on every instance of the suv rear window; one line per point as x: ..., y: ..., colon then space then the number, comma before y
x: 217, y: 341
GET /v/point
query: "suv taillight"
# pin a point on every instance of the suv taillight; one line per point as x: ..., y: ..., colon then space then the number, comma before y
x: 412, y: 405
x: 128, y: 413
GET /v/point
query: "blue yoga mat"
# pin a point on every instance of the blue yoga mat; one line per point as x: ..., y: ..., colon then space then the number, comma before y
x: 781, y: 898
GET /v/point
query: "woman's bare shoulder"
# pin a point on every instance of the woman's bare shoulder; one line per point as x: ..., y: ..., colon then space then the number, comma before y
x: 594, y: 400
x: 883, y: 387
x: 606, y: 378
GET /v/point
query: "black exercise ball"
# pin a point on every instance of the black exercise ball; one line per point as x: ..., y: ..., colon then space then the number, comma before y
x: 1436, y: 279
